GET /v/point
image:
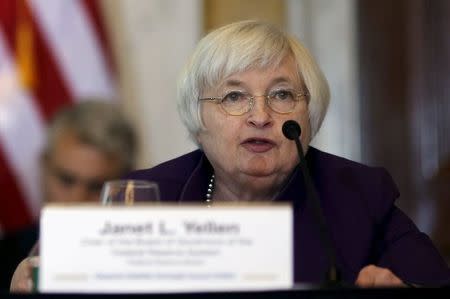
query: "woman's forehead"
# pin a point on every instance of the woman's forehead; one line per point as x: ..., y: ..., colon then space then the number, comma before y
x: 286, y: 72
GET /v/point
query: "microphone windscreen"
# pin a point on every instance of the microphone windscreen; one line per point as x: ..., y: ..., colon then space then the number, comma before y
x: 291, y: 129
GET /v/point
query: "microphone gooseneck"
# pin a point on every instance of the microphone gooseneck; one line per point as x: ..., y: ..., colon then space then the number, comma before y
x: 291, y: 130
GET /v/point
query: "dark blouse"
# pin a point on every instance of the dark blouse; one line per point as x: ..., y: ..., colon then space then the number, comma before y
x: 358, y: 204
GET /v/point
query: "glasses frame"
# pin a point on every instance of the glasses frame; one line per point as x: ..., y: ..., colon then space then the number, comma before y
x: 219, y: 100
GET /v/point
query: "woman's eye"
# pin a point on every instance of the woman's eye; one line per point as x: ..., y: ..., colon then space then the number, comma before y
x: 282, y: 95
x: 234, y: 96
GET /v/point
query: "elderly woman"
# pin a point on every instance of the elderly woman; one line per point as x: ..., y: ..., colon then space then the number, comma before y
x: 242, y: 83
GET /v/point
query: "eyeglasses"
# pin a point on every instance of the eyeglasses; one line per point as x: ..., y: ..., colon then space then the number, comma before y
x: 238, y: 103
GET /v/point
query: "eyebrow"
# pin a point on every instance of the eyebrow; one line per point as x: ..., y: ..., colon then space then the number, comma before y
x: 233, y: 82
x: 238, y: 83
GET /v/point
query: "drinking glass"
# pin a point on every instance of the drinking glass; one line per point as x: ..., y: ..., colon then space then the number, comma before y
x: 128, y: 192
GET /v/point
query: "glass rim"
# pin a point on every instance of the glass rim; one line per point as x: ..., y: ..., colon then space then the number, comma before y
x: 251, y: 101
x: 136, y: 182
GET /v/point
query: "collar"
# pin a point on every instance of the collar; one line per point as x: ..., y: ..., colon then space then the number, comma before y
x: 194, y: 189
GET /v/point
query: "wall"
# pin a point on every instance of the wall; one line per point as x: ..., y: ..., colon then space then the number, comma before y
x: 152, y: 39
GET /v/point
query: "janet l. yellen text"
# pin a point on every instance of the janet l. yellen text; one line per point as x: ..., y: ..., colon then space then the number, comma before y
x: 161, y: 228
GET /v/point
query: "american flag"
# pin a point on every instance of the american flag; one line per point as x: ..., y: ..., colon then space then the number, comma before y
x: 52, y: 53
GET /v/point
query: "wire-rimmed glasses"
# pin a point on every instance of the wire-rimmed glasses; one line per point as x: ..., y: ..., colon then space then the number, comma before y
x: 237, y: 103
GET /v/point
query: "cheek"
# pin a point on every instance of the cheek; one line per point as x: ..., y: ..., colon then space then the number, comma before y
x: 220, y: 130
x: 216, y: 142
x: 54, y: 190
x: 290, y: 155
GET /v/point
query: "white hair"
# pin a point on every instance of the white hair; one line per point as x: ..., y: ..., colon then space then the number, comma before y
x: 99, y: 124
x: 238, y: 47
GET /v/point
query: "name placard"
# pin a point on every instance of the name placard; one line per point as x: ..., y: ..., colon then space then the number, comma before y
x: 157, y: 249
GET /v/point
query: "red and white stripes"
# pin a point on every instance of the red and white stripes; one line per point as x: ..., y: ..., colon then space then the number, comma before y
x: 69, y: 62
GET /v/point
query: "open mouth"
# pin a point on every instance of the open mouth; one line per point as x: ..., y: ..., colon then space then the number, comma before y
x: 258, y: 145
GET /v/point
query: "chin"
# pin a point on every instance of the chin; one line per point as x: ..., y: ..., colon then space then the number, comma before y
x: 256, y: 171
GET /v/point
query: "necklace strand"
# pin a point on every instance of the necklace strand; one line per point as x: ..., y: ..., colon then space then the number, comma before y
x: 210, y: 191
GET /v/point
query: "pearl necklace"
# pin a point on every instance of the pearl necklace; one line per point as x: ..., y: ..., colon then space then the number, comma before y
x: 210, y: 191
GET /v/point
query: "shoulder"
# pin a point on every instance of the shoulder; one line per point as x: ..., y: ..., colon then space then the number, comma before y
x: 326, y: 163
x: 171, y: 176
x: 175, y: 169
x: 321, y: 159
x: 372, y: 185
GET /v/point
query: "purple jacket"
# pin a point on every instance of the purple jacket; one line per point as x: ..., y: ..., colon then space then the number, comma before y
x: 358, y: 204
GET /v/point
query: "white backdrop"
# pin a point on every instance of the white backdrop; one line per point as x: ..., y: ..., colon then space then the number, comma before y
x: 328, y: 29
x: 153, y: 39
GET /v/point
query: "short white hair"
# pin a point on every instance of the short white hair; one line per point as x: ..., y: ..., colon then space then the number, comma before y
x: 238, y: 47
x: 97, y: 123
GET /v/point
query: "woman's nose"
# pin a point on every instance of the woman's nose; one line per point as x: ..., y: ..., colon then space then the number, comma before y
x: 260, y: 114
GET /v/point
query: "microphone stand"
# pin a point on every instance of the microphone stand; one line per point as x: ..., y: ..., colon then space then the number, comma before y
x: 291, y: 130
x: 332, y: 275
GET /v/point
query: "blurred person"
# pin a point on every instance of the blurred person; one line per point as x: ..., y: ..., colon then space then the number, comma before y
x: 87, y: 144
x: 242, y: 83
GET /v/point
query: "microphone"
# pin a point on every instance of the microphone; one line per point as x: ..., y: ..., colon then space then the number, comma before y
x: 292, y: 131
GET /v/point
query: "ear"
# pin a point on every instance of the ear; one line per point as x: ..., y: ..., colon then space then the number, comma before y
x: 198, y: 138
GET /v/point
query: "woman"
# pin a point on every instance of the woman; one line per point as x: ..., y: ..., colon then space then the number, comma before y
x: 242, y: 83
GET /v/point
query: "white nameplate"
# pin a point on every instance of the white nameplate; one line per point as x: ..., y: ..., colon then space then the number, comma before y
x: 154, y: 249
